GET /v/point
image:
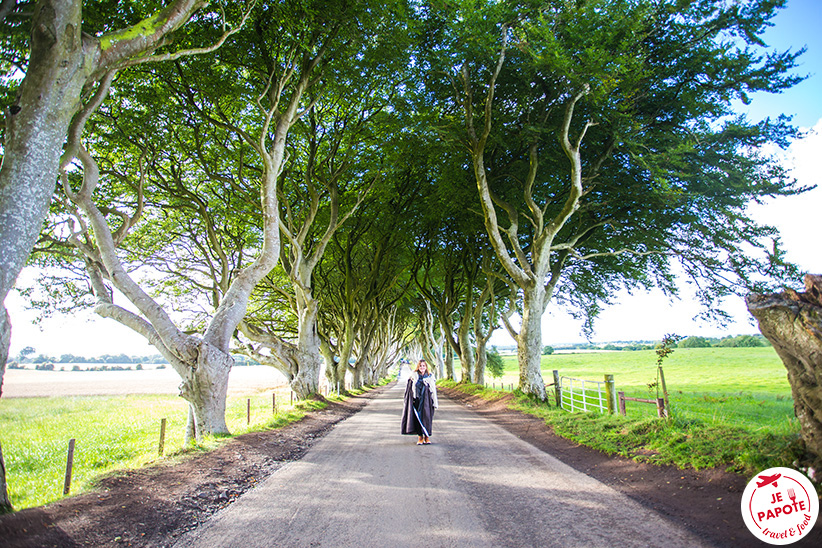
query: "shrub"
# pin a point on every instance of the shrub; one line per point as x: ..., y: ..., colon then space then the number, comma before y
x: 495, y: 365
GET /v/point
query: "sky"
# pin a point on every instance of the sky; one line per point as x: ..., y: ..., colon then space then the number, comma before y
x: 641, y: 316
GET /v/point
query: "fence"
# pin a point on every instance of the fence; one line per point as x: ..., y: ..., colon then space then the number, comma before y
x: 661, y: 410
x: 586, y: 395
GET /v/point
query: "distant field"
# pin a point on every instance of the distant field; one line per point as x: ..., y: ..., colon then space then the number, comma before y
x: 745, y: 387
x: 27, y: 383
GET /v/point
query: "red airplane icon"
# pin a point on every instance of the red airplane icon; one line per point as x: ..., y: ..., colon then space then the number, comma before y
x: 767, y: 480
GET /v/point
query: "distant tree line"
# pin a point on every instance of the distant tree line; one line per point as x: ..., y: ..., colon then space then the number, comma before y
x: 738, y: 341
x: 44, y: 362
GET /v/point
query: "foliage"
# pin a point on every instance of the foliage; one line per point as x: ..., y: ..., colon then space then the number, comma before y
x: 694, y: 342
x: 666, y: 347
x: 741, y: 341
x: 495, y: 364
x: 547, y: 350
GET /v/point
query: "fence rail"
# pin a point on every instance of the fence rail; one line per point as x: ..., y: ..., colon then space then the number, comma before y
x: 586, y: 395
x: 661, y: 410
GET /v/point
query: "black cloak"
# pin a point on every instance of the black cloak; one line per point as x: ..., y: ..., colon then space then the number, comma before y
x: 417, y: 420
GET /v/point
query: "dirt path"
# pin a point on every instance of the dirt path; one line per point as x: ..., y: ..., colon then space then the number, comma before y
x: 477, y: 486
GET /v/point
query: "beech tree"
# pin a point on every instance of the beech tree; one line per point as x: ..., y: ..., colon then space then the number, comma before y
x: 792, y: 321
x: 276, y: 98
x: 604, y: 148
x: 67, y: 57
x: 335, y: 160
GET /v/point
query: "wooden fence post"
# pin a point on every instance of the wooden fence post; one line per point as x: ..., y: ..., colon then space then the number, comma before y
x: 69, y: 466
x: 292, y: 397
x: 248, y: 412
x: 274, y: 403
x: 556, y: 388
x: 621, y: 403
x: 162, y: 445
x: 660, y: 408
x: 609, y: 394
x: 664, y: 388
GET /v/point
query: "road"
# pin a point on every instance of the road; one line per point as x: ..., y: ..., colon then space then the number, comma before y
x: 365, y: 485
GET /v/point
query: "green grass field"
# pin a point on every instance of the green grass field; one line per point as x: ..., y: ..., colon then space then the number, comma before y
x: 731, y: 407
x: 745, y: 387
x: 112, y: 433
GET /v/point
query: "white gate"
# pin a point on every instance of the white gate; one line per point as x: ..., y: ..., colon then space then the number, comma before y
x: 582, y: 395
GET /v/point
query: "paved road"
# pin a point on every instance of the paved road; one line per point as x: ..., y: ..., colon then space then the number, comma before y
x: 365, y: 485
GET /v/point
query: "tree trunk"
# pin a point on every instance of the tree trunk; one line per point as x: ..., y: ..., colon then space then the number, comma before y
x: 793, y: 323
x: 309, y: 360
x: 205, y: 387
x: 529, y: 345
x: 481, y: 362
x: 5, y: 336
x: 36, y: 128
x: 466, y: 354
x: 5, y: 341
x: 449, y: 362
x: 5, y: 503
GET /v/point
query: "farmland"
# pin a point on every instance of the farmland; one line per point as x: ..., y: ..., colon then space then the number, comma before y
x: 117, y: 427
x: 731, y: 407
x: 743, y: 387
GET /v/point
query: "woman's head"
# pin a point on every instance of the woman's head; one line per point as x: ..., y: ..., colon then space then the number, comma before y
x: 422, y: 367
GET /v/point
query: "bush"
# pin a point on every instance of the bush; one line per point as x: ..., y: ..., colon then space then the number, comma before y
x: 495, y: 366
x: 547, y: 350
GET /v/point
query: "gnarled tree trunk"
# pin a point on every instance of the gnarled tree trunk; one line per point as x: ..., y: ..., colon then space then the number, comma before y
x: 793, y: 323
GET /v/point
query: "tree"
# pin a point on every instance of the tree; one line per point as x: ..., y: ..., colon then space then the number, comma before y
x: 792, y: 322
x: 547, y: 350
x: 695, y: 342
x: 336, y: 159
x: 67, y: 74
x: 604, y: 148
x: 275, y: 96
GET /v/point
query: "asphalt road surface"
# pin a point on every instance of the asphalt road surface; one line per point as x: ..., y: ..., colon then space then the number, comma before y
x: 476, y: 485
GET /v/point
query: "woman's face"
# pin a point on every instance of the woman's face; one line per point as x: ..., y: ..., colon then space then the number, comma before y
x: 423, y: 367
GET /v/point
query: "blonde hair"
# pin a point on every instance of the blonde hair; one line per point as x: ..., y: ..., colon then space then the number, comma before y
x: 427, y: 367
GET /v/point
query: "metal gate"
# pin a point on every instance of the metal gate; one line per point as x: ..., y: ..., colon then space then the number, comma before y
x: 583, y: 395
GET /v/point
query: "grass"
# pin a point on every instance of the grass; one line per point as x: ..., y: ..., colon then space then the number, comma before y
x: 112, y: 433
x: 731, y: 407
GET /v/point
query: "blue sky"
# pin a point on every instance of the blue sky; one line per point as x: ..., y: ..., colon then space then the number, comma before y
x: 640, y: 316
x: 796, y: 26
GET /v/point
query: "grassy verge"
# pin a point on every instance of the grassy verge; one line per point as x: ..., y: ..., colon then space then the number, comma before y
x: 685, y: 443
x: 114, y: 433
x: 731, y: 407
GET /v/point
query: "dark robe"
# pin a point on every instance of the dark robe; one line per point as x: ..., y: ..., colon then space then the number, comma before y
x: 417, y: 419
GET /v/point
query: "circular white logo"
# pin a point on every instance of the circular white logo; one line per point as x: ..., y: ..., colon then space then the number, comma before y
x: 780, y: 506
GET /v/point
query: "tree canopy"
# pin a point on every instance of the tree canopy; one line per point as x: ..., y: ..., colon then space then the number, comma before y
x: 340, y: 183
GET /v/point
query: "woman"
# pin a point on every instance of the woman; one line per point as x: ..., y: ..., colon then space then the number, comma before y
x: 420, y: 403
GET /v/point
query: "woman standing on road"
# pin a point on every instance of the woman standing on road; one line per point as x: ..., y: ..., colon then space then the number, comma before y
x: 420, y: 403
